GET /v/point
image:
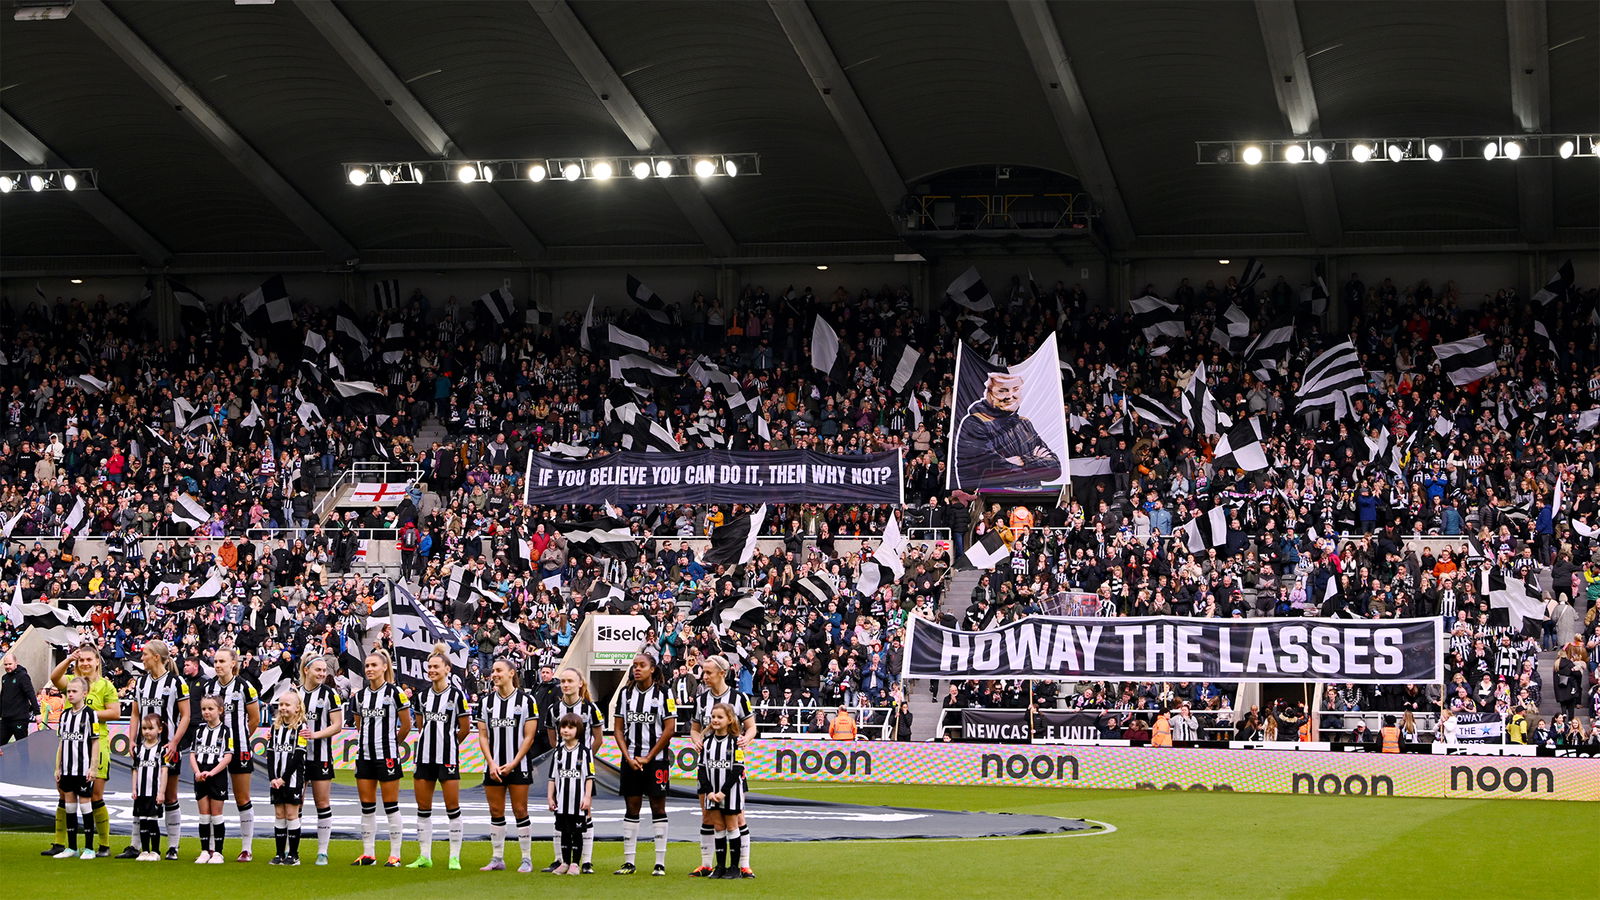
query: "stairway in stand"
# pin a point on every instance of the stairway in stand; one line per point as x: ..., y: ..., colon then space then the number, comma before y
x: 925, y: 705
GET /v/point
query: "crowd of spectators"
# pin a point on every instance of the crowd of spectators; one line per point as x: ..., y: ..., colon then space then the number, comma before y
x: 1479, y: 474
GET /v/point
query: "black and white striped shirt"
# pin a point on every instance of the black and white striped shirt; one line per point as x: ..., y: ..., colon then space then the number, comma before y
x: 722, y: 768
x: 644, y: 716
x: 437, y: 714
x: 377, y: 712
x: 211, y: 744
x: 77, y: 737
x: 286, y: 754
x: 570, y: 769
x: 236, y: 696
x: 148, y: 762
x: 587, y: 710
x: 161, y: 697
x: 320, y: 703
x: 502, y: 721
x: 705, y: 701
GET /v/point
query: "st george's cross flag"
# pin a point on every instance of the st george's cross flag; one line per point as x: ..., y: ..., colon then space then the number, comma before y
x: 377, y: 493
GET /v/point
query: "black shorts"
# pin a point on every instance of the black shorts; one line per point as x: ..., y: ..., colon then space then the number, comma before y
x: 287, y: 796
x: 213, y: 788
x: 651, y: 781
x: 243, y: 764
x: 378, y: 770
x: 80, y: 785
x: 318, y: 771
x: 147, y: 808
x: 507, y: 779
x: 437, y: 772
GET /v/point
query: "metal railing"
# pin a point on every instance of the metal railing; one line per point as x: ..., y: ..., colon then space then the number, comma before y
x: 1217, y: 730
x: 357, y: 472
x: 880, y: 720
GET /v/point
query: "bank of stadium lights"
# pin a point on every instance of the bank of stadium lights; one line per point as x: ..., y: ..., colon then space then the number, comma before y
x: 40, y: 180
x: 1320, y: 151
x: 565, y: 168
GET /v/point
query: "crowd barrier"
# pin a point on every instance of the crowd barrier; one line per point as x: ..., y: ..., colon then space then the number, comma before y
x: 1147, y: 768
x: 1264, y: 771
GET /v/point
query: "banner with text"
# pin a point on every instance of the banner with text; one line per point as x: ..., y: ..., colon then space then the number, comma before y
x: 717, y: 476
x: 1018, y: 726
x: 1480, y: 728
x: 1170, y: 648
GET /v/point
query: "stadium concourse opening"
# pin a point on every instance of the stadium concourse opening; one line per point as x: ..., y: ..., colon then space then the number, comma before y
x: 28, y: 800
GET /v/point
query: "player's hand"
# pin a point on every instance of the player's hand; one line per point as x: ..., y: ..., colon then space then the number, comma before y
x: 276, y: 782
x: 552, y: 806
x: 637, y: 763
x: 494, y: 770
x: 697, y: 741
x: 587, y: 805
x: 305, y: 734
x: 744, y: 741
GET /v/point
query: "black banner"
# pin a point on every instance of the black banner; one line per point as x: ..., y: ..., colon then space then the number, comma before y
x: 1013, y: 726
x: 996, y: 726
x: 1170, y: 648
x: 717, y: 476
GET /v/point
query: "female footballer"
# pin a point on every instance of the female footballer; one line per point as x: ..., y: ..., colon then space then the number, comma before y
x: 381, y: 715
x: 443, y: 721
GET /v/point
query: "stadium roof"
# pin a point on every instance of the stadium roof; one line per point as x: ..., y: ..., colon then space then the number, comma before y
x: 218, y: 130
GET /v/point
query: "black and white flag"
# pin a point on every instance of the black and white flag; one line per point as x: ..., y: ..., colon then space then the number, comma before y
x: 500, y: 305
x: 267, y: 306
x: 605, y: 597
x: 885, y: 566
x: 76, y: 517
x: 969, y: 291
x: 1231, y: 331
x: 1200, y: 407
x: 1241, y: 448
x: 636, y: 431
x: 1468, y: 360
x: 363, y: 398
x: 1156, y: 317
x: 745, y: 611
x: 1512, y: 595
x: 1559, y: 285
x: 415, y: 630
x: 709, y: 373
x: 648, y: 300
x: 734, y: 542
x: 1269, y: 349
x: 1541, y: 331
x: 386, y: 294
x: 58, y: 625
x: 1254, y: 271
x: 1314, y: 296
x: 394, y: 344
x: 902, y: 367
x: 1149, y: 409
x: 821, y: 587
x: 192, y: 313
x: 187, y: 509
x: 606, y: 538
x: 986, y: 551
x: 1331, y: 378
x: 1209, y: 530
x: 347, y: 331
x: 91, y: 384
x: 825, y: 356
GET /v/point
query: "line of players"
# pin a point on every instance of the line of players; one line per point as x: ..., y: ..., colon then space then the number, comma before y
x: 299, y: 754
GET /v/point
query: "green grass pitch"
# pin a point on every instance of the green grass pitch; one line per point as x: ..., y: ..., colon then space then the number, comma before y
x: 1166, y: 844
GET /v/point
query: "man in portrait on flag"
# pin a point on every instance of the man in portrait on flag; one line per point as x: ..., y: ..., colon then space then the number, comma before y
x: 997, y: 446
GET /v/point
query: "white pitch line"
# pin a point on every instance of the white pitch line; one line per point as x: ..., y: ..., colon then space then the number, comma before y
x: 1105, y: 828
